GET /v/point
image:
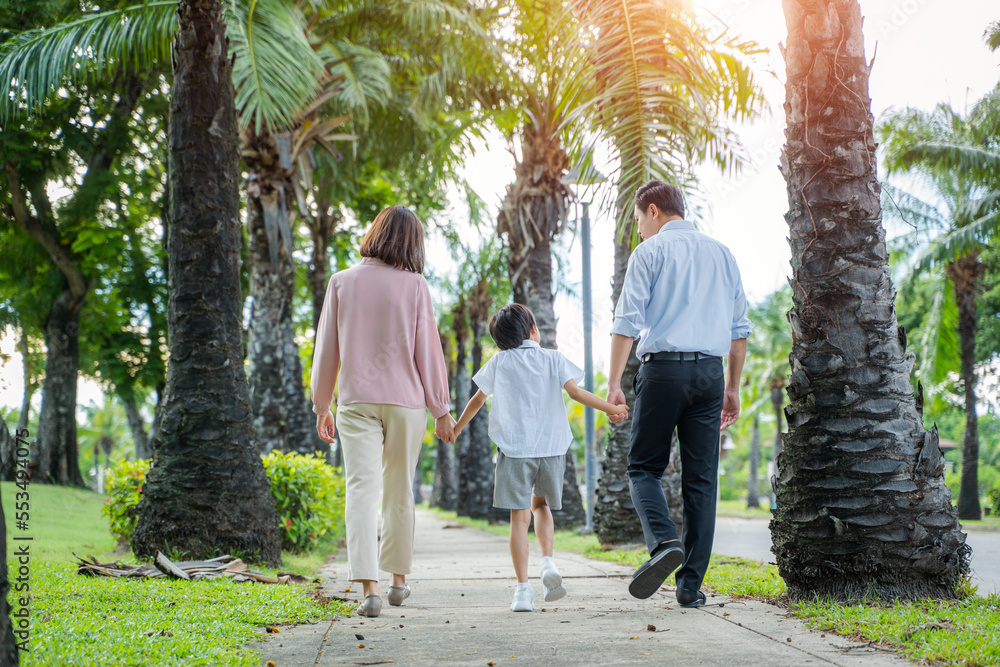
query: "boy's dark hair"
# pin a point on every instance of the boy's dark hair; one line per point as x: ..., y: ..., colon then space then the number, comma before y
x: 668, y: 198
x: 511, y: 325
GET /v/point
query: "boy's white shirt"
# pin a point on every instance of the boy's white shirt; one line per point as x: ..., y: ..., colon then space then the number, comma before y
x: 528, y: 416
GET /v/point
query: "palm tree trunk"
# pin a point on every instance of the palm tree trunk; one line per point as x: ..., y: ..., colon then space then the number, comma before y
x: 862, y: 508
x: 478, y: 461
x: 57, y: 454
x: 463, y: 390
x: 965, y: 274
x: 138, y: 428
x: 753, y: 498
x: 445, y: 491
x: 206, y: 491
x: 615, y: 519
x: 320, y: 230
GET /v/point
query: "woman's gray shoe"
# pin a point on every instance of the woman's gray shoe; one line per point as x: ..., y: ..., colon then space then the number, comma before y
x: 398, y: 593
x: 371, y: 607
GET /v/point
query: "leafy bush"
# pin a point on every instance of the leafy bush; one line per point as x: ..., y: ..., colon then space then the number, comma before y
x: 124, y: 486
x: 309, y: 495
x: 994, y: 499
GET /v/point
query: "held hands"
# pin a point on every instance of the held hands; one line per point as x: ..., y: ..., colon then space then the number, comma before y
x: 620, y: 411
x: 617, y: 398
x: 444, y: 428
x: 326, y: 427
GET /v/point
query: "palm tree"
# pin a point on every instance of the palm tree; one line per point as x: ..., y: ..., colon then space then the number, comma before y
x: 958, y: 158
x: 445, y: 490
x: 663, y: 104
x: 207, y: 489
x: 862, y: 508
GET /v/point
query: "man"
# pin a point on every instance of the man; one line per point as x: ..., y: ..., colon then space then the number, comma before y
x: 683, y: 299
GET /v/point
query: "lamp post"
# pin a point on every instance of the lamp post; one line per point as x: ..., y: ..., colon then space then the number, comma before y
x: 585, y: 174
x: 590, y: 430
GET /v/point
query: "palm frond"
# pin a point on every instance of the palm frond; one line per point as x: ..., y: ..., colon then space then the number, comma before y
x: 938, y: 348
x: 276, y: 71
x: 366, y: 74
x: 36, y: 63
x: 664, y: 100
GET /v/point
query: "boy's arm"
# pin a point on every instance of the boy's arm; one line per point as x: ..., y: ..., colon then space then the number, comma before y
x: 586, y: 398
x: 473, y: 406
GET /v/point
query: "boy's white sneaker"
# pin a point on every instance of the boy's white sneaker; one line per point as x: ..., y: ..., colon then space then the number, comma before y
x: 522, y: 599
x: 552, y: 581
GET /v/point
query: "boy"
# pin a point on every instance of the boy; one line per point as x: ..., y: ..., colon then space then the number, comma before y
x: 528, y: 423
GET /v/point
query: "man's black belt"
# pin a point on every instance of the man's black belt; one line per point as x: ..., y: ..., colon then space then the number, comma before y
x: 676, y: 356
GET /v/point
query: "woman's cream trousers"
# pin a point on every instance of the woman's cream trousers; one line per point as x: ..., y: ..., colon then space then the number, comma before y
x: 381, y: 445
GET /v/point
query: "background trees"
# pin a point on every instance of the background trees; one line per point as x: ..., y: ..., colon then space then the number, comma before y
x: 958, y: 160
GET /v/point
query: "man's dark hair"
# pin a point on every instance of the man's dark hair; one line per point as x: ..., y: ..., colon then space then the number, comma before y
x: 511, y: 326
x: 668, y: 198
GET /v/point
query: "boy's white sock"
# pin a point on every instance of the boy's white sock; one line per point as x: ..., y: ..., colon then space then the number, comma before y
x: 524, y: 584
x: 547, y: 560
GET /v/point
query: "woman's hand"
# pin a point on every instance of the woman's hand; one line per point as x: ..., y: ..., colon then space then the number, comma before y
x: 444, y: 428
x: 326, y: 427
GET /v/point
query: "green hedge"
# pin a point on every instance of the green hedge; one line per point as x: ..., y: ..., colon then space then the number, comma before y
x: 309, y: 497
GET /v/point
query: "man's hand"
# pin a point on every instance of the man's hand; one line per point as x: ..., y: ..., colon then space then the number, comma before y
x: 730, y: 408
x: 616, y: 397
x: 444, y: 428
x: 326, y: 427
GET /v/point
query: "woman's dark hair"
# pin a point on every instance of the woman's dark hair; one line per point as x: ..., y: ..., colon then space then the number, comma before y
x: 397, y: 238
x: 668, y: 198
x: 511, y: 326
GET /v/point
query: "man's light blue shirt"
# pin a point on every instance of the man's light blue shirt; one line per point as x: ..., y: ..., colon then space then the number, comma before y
x: 682, y: 293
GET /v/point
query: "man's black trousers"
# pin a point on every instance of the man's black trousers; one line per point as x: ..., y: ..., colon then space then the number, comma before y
x: 687, y: 396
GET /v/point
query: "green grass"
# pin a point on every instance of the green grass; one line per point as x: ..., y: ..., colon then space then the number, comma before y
x: 738, y: 508
x: 963, y: 633
x: 79, y: 620
x: 61, y: 521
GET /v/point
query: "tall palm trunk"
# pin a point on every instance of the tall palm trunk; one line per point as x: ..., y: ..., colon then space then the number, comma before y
x: 321, y: 230
x: 282, y: 414
x: 533, y: 213
x: 615, y: 519
x: 463, y: 390
x: 965, y: 274
x: 862, y: 508
x: 753, y: 497
x: 445, y: 491
x: 478, y: 460
x: 206, y: 491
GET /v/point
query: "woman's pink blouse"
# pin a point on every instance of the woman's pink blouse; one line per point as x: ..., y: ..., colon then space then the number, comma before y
x: 378, y: 327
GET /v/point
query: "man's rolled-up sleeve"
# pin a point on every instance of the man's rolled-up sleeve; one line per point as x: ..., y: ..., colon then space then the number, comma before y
x: 630, y: 312
x: 741, y: 323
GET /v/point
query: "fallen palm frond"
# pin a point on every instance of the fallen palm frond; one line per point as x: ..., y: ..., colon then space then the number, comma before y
x: 222, y: 566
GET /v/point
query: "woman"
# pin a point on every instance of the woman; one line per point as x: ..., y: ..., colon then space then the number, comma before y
x: 378, y: 328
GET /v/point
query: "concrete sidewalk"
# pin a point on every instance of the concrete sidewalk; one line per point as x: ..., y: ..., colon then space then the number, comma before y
x: 459, y: 613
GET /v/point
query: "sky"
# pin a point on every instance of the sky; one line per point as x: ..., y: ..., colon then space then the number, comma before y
x: 928, y: 51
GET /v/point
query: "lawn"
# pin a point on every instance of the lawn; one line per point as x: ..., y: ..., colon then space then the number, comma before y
x: 962, y: 633
x: 80, y: 620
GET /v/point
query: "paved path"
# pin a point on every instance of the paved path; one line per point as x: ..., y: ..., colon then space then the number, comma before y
x: 459, y: 613
x: 750, y: 538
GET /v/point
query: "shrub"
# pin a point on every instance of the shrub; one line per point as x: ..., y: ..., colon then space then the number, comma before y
x: 994, y: 499
x: 124, y: 486
x: 309, y: 497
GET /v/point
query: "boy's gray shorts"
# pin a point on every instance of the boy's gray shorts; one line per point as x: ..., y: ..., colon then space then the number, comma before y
x: 519, y: 479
